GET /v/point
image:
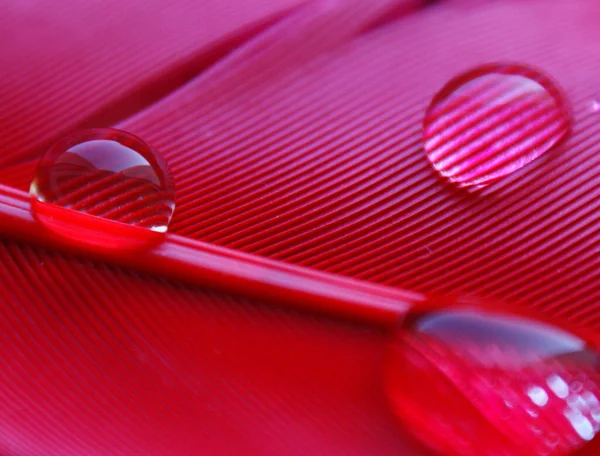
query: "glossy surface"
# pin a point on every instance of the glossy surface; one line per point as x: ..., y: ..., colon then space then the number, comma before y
x: 111, y: 362
x: 94, y: 178
x: 211, y: 266
x: 469, y: 382
x: 492, y: 121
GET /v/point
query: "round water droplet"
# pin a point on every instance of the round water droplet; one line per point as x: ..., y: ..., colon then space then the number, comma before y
x: 492, y: 121
x: 104, y: 188
x: 528, y: 356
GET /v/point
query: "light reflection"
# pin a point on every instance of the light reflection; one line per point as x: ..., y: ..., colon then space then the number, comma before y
x: 544, y: 397
x: 538, y: 395
x: 590, y: 399
x: 558, y: 386
x: 580, y: 423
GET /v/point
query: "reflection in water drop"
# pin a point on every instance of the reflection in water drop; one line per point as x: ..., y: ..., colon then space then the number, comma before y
x: 558, y: 386
x: 590, y: 399
x: 105, y: 188
x: 492, y: 121
x: 538, y: 395
x: 580, y: 423
x: 531, y: 410
x: 576, y: 387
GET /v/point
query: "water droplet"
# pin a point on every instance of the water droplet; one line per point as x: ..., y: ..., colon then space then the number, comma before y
x: 492, y: 121
x: 103, y: 188
x: 538, y: 358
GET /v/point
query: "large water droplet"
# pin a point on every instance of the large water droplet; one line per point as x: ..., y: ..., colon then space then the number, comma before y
x: 103, y: 187
x: 442, y: 363
x: 492, y: 121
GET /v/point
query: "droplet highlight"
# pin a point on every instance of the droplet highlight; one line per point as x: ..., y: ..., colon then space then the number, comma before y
x: 491, y: 121
x: 438, y: 374
x: 104, y: 188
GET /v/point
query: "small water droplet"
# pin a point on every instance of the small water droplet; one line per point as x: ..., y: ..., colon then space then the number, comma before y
x: 103, y: 188
x: 595, y: 106
x: 491, y: 121
x: 538, y: 357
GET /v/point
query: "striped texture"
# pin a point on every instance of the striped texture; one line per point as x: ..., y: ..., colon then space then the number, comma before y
x: 65, y: 67
x: 304, y: 145
x: 98, y: 361
x: 322, y: 164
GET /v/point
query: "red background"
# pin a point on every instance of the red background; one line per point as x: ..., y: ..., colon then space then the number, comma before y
x: 293, y: 131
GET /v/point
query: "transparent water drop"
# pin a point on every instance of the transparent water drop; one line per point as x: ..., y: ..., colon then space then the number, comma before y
x: 104, y: 188
x: 492, y: 121
x: 540, y: 422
